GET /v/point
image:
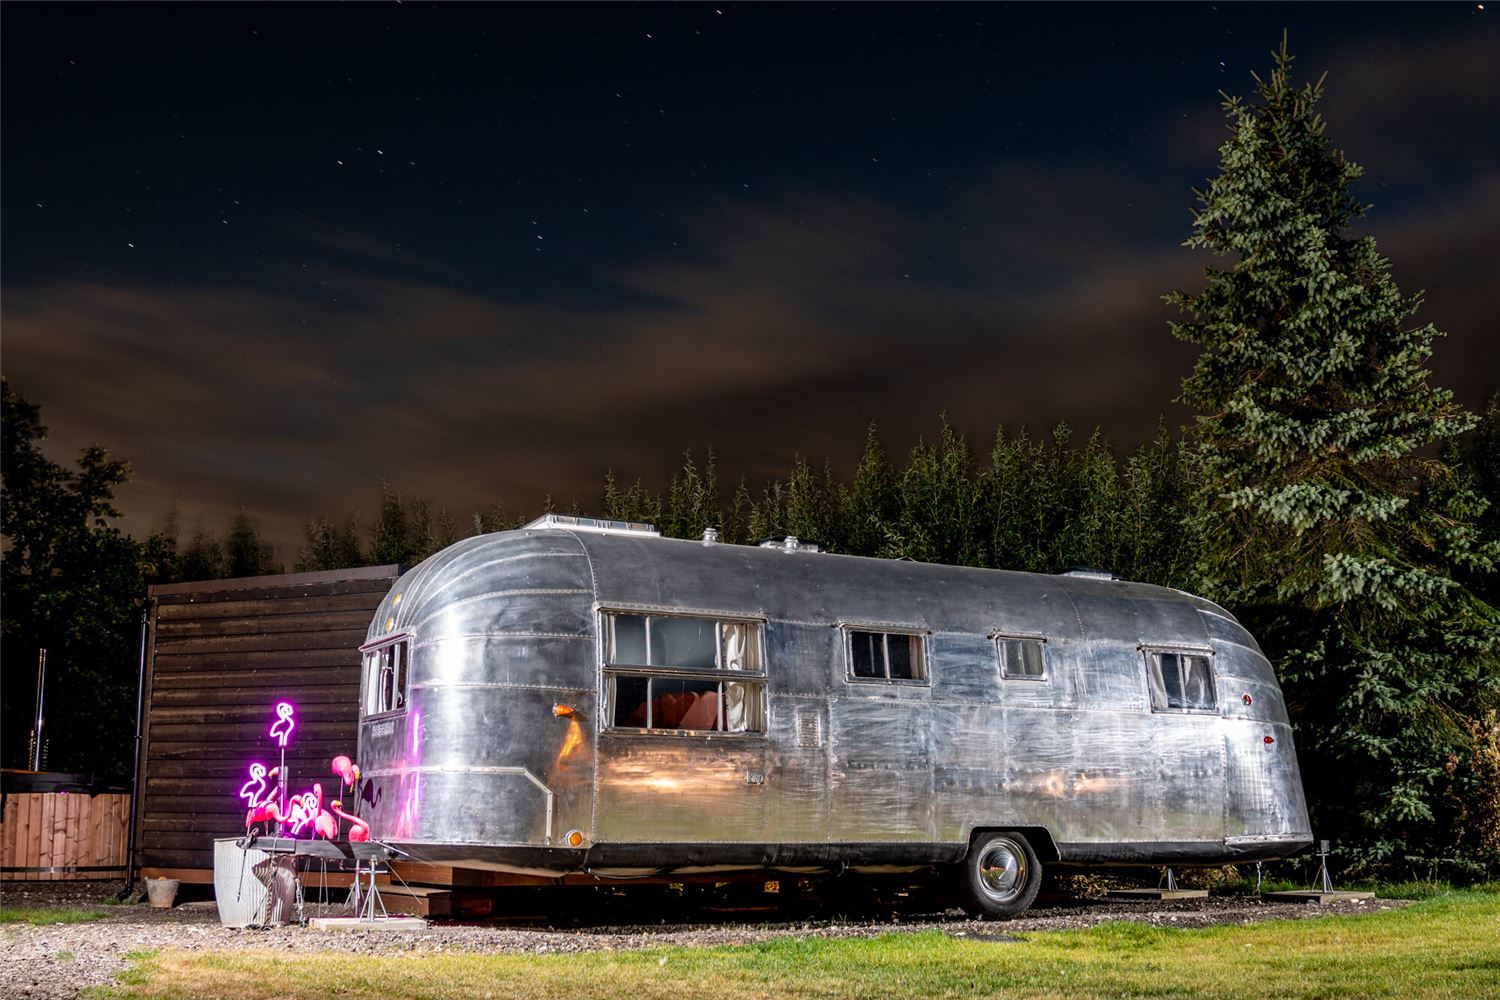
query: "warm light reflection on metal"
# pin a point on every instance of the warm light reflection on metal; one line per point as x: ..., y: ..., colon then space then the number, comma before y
x: 1086, y: 785
x: 571, y: 742
x: 655, y: 782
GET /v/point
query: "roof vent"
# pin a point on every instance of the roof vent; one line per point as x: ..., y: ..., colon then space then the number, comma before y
x: 790, y: 543
x: 571, y: 523
x: 1091, y: 573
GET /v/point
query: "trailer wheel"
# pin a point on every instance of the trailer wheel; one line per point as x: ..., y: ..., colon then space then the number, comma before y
x: 1000, y: 877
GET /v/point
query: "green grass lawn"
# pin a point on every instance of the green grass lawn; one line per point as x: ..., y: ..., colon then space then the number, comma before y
x: 1447, y: 946
x: 49, y: 915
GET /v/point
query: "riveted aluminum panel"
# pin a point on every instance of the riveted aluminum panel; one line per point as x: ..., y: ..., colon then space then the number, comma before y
x: 797, y: 769
x: 680, y: 789
x: 1264, y: 789
x: 880, y: 765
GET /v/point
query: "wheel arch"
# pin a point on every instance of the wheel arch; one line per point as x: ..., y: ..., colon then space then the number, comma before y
x: 1039, y: 837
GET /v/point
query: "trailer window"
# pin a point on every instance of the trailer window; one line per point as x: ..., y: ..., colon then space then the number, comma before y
x: 1020, y: 657
x: 885, y: 656
x: 385, y: 677
x: 711, y: 677
x: 1180, y: 681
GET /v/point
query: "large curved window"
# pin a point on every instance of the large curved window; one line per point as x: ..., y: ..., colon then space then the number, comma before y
x: 682, y: 673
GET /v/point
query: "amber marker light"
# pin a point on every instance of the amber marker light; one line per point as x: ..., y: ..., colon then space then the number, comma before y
x: 563, y: 711
x: 575, y: 838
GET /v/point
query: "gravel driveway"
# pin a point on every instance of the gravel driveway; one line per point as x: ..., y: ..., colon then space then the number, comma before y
x: 60, y: 960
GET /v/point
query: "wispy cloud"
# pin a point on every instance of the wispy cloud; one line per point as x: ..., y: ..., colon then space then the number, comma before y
x: 1030, y: 294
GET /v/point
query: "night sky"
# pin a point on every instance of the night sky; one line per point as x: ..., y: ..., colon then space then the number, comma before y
x: 273, y: 255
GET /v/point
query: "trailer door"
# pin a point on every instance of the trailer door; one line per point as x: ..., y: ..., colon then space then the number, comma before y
x: 880, y: 778
x: 1187, y: 744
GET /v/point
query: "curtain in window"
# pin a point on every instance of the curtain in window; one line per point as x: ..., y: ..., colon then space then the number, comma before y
x: 1154, y: 679
x: 736, y: 653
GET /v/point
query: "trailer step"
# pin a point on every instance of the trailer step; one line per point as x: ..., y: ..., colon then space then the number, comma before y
x: 1158, y: 894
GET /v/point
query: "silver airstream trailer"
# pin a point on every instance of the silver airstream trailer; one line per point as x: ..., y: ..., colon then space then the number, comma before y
x: 587, y: 696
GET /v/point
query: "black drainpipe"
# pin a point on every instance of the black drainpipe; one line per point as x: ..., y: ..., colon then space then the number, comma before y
x: 135, y: 774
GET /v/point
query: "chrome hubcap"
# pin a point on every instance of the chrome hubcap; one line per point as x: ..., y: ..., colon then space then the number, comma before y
x: 1002, y: 871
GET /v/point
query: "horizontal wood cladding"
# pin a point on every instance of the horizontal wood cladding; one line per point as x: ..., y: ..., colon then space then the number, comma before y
x: 153, y: 856
x: 246, y: 732
x: 269, y: 624
x: 311, y: 755
x: 210, y: 611
x: 213, y: 603
x: 231, y: 695
x: 210, y: 666
x: 222, y: 654
x: 342, y: 638
x: 169, y: 830
x: 222, y: 772
x: 222, y: 711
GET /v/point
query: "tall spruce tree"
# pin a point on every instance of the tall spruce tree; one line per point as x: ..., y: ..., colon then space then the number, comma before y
x: 1330, y: 524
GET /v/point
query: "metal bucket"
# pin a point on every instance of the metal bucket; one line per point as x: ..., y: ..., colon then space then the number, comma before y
x: 253, y: 888
x: 162, y: 892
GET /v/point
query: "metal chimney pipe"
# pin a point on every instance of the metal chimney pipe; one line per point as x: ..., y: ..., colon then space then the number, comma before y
x: 41, y: 687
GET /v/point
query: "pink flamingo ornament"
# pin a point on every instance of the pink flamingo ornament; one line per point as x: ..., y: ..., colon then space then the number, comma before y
x: 324, y: 825
x: 263, y: 812
x: 284, y: 724
x: 359, y: 830
x: 346, y: 769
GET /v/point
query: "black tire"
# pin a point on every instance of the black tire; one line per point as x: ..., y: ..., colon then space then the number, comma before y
x: 1000, y: 877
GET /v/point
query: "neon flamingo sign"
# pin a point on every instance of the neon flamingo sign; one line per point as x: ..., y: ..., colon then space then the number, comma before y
x: 282, y: 728
x: 251, y: 790
x: 265, y: 793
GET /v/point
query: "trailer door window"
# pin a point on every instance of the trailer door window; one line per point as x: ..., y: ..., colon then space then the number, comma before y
x: 671, y: 672
x: 1180, y: 681
x: 385, y: 677
x: 886, y: 656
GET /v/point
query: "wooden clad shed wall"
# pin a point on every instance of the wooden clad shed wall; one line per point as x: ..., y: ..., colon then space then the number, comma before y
x: 222, y: 654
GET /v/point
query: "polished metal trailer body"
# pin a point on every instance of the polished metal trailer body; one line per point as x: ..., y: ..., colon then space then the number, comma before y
x: 563, y: 698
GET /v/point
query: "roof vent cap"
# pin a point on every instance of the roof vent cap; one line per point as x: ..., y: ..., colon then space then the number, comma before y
x: 1091, y: 573
x: 601, y: 525
x: 790, y: 543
